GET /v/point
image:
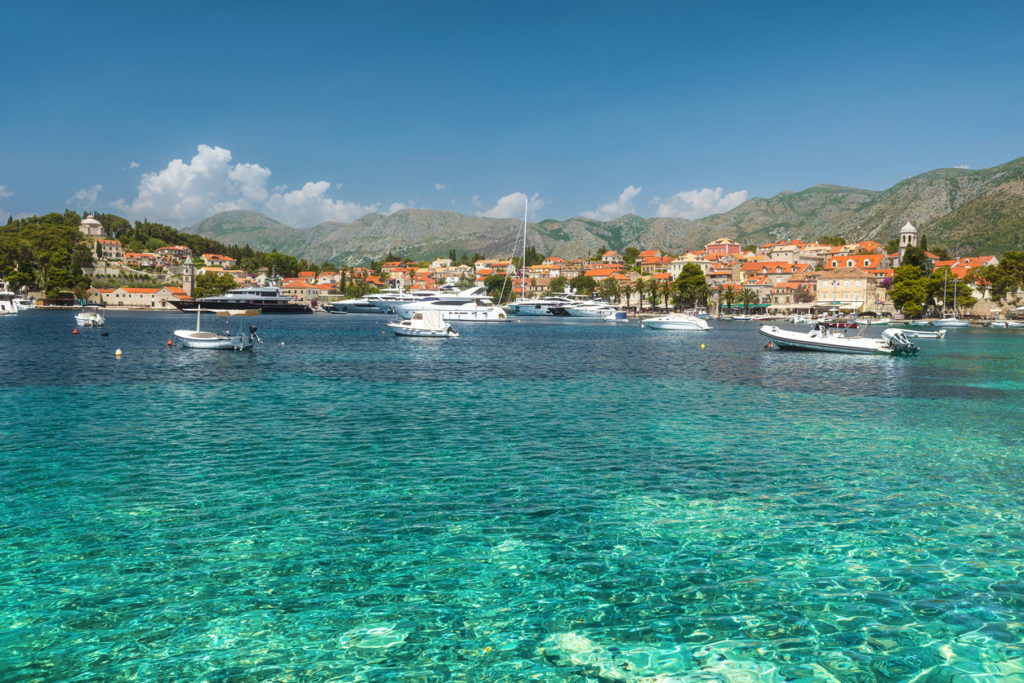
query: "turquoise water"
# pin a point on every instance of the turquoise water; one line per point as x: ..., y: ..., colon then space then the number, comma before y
x: 532, y: 501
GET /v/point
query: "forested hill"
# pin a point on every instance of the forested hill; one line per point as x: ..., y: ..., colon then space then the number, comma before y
x: 48, y: 252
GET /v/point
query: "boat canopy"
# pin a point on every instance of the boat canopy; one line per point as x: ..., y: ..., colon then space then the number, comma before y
x: 234, y: 311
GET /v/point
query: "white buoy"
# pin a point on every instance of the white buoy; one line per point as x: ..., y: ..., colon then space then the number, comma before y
x: 118, y: 353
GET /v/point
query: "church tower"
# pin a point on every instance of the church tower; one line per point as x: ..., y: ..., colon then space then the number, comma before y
x: 908, y: 238
x: 188, y: 277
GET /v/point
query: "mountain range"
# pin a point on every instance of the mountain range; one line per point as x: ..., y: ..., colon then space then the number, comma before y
x: 966, y: 211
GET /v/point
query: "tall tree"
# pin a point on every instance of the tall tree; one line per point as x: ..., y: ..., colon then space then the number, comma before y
x: 909, y: 290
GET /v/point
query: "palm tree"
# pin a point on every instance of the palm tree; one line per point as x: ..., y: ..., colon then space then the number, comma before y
x: 728, y: 296
x: 640, y: 289
x: 653, y: 287
x: 748, y: 297
x: 667, y: 287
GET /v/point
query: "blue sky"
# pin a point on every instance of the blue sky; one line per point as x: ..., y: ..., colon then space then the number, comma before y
x: 312, y: 111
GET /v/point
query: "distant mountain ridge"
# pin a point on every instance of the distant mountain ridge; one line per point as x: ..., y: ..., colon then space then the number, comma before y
x: 966, y: 211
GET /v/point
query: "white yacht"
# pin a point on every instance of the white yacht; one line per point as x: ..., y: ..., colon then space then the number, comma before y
x: 676, y: 321
x: 544, y: 306
x: 7, y: 302
x: 590, y: 309
x: 387, y: 300
x: 90, y: 316
x: 471, y: 304
x: 361, y: 305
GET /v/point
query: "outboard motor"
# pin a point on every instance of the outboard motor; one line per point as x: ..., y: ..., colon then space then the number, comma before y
x: 253, y: 337
x: 899, y: 342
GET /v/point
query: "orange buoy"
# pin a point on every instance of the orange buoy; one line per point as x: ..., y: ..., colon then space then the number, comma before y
x: 170, y: 342
x: 74, y: 331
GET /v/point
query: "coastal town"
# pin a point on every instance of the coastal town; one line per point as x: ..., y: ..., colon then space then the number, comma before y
x: 778, y: 278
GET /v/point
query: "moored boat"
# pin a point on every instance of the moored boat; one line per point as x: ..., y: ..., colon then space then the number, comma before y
x: 423, y: 324
x: 616, y: 317
x: 924, y: 334
x: 90, y: 316
x: 7, y: 303
x: 677, y: 321
x: 265, y: 299
x: 821, y: 338
x: 200, y: 339
x: 469, y: 305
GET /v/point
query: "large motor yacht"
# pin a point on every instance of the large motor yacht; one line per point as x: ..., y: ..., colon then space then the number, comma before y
x: 266, y: 299
x: 473, y: 305
x: 590, y: 309
x: 544, y: 306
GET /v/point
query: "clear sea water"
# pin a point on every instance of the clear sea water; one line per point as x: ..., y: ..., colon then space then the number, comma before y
x: 546, y: 500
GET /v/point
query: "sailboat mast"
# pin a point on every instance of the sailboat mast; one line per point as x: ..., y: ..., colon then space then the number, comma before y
x: 526, y: 212
x: 945, y: 276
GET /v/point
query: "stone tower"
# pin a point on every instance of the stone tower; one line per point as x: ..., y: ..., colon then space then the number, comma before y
x: 188, y: 277
x: 908, y: 238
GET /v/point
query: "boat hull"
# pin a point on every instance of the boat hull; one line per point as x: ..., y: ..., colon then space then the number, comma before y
x: 89, y: 321
x: 830, y: 343
x: 208, y: 340
x: 685, y: 323
x: 242, y: 306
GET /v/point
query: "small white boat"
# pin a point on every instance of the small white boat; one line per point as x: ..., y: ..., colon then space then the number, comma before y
x: 423, y: 324
x: 677, y: 321
x: 198, y: 339
x: 90, y: 316
x: 997, y: 323
x: 952, y: 321
x: 880, y: 321
x: 616, y: 317
x: 925, y: 334
x: 24, y: 304
x: 821, y: 338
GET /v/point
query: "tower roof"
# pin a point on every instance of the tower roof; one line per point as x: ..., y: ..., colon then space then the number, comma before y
x: 908, y: 228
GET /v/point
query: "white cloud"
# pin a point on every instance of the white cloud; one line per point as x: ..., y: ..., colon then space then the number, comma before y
x: 963, y: 166
x: 86, y: 197
x: 310, y: 206
x: 440, y: 186
x: 398, y: 206
x: 476, y: 200
x: 620, y: 207
x: 134, y: 164
x: 699, y: 203
x: 512, y: 205
x: 4, y: 192
x: 184, y: 193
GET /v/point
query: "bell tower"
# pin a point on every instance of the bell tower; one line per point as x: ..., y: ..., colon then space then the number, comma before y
x: 188, y: 277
